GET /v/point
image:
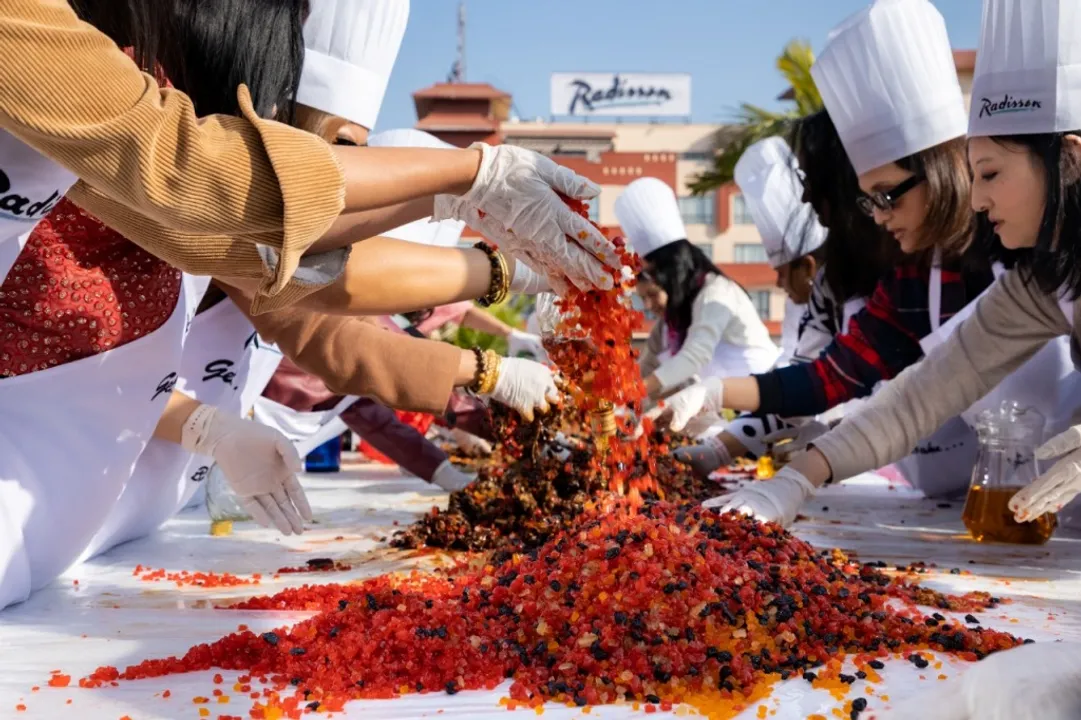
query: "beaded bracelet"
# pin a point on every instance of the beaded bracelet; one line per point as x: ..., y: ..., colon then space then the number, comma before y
x: 487, y: 373
x: 499, y: 286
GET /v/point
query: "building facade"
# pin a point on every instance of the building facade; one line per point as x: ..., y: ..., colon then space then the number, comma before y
x: 613, y: 154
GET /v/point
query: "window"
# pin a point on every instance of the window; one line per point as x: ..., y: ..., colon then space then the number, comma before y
x: 698, y: 209
x: 706, y: 247
x: 761, y: 302
x: 750, y: 253
x: 696, y: 156
x: 740, y: 214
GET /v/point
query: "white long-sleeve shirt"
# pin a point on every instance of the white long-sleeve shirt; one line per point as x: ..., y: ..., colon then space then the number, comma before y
x: 721, y: 313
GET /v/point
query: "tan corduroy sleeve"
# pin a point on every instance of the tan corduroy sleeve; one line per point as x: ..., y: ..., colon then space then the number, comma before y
x: 223, y: 184
x: 1010, y: 325
x: 358, y: 356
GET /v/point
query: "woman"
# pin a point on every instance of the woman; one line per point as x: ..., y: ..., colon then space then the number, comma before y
x: 71, y: 95
x: 711, y: 327
x: 904, y: 139
x: 1024, y: 188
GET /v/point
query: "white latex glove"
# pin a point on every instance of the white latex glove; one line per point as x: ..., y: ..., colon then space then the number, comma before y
x: 801, y: 436
x: 259, y: 463
x: 525, y: 385
x: 451, y: 478
x: 519, y: 342
x: 678, y: 410
x: 775, y: 500
x: 705, y: 458
x: 470, y: 444
x: 526, y: 281
x: 1032, y: 682
x: 515, y: 188
x: 1057, y: 486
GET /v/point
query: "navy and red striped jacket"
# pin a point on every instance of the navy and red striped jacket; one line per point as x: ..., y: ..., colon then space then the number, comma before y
x: 882, y: 340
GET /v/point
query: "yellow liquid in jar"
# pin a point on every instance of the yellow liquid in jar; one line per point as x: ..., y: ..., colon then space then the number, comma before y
x: 988, y: 517
x: 765, y: 469
x: 221, y: 528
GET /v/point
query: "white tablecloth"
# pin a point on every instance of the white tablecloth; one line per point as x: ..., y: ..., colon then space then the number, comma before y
x: 112, y: 618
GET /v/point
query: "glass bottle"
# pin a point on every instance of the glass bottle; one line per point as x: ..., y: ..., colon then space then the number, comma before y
x: 222, y: 504
x: 1008, y: 437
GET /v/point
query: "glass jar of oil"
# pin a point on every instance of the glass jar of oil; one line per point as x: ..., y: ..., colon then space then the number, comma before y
x: 1008, y: 436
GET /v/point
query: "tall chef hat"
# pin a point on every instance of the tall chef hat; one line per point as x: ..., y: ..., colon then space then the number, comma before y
x: 768, y: 176
x: 445, y: 233
x: 649, y: 214
x: 349, y: 50
x: 1028, y: 68
x: 889, y: 83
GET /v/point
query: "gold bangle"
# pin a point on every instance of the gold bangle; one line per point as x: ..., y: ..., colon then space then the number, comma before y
x: 499, y: 285
x: 487, y: 373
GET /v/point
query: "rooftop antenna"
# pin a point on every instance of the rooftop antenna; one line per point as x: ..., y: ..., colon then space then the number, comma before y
x: 457, y: 72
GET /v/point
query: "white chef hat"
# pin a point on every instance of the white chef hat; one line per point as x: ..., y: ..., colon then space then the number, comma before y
x: 445, y: 233
x: 1028, y: 68
x: 349, y: 50
x: 649, y: 214
x: 767, y: 175
x: 888, y: 80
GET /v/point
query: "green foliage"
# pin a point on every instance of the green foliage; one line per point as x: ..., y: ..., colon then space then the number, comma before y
x: 754, y: 123
x: 513, y: 312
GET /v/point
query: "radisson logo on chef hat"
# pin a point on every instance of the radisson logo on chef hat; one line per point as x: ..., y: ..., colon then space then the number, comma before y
x: 1028, y: 72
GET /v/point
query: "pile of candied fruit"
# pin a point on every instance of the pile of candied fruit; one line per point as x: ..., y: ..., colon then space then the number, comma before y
x: 660, y: 604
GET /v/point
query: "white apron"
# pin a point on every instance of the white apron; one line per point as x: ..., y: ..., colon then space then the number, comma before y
x: 306, y: 430
x: 69, y: 440
x: 213, y: 370
x: 30, y: 186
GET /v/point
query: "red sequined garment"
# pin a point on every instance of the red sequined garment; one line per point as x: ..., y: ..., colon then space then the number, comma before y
x: 78, y: 289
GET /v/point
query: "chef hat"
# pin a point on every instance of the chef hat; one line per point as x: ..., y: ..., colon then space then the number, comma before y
x: 349, y: 50
x: 445, y: 233
x: 649, y: 215
x: 1028, y: 68
x: 767, y: 176
x: 889, y: 83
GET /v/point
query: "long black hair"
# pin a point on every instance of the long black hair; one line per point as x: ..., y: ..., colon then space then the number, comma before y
x: 1054, y: 264
x: 208, y: 49
x: 680, y: 269
x: 858, y: 252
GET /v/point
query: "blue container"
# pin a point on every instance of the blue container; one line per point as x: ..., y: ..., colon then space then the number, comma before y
x: 326, y: 458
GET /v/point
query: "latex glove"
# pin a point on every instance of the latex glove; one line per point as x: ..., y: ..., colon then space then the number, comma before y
x: 519, y: 342
x: 258, y: 462
x: 704, y: 459
x: 451, y: 478
x: 800, y: 435
x: 678, y: 410
x: 516, y: 189
x: 525, y: 385
x: 470, y: 444
x: 1057, y: 486
x: 1032, y: 682
x: 775, y: 500
x: 527, y: 281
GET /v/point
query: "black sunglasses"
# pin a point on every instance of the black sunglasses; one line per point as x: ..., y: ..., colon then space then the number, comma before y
x: 886, y: 200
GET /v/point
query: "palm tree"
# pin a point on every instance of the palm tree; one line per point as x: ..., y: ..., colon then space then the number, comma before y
x: 755, y: 123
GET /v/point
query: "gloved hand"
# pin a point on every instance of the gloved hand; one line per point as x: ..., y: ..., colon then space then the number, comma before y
x: 800, y: 435
x: 775, y: 500
x: 527, y: 281
x: 706, y: 457
x: 1032, y: 682
x: 519, y: 342
x: 679, y: 409
x: 451, y: 478
x: 259, y: 463
x: 525, y: 385
x: 516, y: 189
x: 1057, y: 486
x: 470, y: 444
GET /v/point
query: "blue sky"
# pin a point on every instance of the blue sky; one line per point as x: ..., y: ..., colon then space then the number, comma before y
x: 729, y: 46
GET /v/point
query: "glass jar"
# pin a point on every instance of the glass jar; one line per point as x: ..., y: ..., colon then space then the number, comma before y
x: 1008, y: 437
x: 222, y: 504
x: 564, y: 338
